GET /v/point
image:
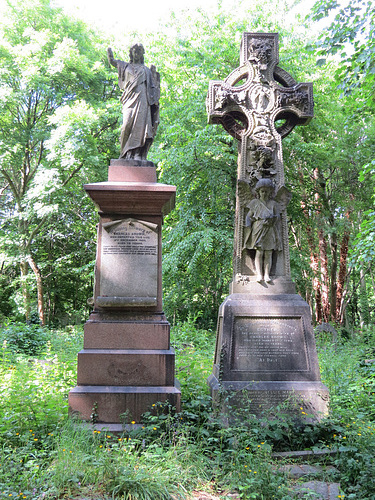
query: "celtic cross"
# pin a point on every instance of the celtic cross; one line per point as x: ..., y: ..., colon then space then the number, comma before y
x: 259, y: 104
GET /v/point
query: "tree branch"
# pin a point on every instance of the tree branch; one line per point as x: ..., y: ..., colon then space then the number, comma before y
x: 72, y: 174
x: 109, y: 125
x: 34, y: 231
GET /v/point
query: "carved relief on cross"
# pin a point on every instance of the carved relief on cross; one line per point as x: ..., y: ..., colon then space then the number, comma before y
x: 259, y: 104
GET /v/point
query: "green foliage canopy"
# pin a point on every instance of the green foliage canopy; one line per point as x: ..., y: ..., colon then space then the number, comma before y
x: 56, y: 124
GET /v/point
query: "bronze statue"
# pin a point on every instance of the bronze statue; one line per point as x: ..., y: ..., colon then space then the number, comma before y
x: 140, y: 103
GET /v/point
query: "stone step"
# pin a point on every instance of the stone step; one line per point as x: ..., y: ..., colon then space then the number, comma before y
x: 297, y: 471
x: 126, y: 367
x: 110, y: 402
x: 322, y: 489
x: 281, y: 455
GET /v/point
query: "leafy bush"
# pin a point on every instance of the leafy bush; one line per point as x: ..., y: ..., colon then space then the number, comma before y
x: 21, y: 338
x: 194, y: 358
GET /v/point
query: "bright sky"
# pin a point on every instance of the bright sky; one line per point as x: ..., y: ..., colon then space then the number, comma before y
x: 144, y: 15
x: 129, y: 15
x: 125, y: 17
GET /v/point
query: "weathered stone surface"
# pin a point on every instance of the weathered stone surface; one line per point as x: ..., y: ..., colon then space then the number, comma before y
x: 130, y: 197
x: 146, y: 198
x: 132, y: 171
x: 265, y: 351
x: 111, y: 402
x: 296, y: 471
x: 128, y: 262
x: 126, y: 365
x: 282, y: 455
x: 306, y: 400
x: 247, y: 104
x: 323, y: 491
x: 249, y: 285
x: 327, y: 328
x: 130, y: 367
x: 264, y: 360
x: 266, y: 355
x: 126, y: 335
x: 140, y: 102
x: 266, y: 338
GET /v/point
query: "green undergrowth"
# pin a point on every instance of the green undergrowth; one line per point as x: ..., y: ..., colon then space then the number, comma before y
x: 45, y: 455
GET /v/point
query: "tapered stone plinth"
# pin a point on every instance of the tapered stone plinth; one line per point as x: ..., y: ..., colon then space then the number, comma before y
x: 127, y: 364
x: 266, y: 355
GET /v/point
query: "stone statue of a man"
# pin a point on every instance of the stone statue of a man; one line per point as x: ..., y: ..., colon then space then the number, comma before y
x: 140, y: 103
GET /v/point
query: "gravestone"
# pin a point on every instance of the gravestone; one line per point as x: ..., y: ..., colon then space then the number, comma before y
x: 265, y: 350
x: 127, y: 363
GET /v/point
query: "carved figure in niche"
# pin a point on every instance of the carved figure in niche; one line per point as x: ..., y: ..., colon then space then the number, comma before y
x: 262, y: 230
x: 299, y: 99
x: 140, y: 103
x: 260, y: 163
x: 260, y: 51
x: 262, y: 99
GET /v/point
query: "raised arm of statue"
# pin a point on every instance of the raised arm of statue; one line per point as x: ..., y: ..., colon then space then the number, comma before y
x: 111, y: 59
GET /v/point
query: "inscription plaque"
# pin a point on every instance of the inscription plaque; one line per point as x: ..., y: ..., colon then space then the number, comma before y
x: 129, y: 259
x: 269, y: 399
x: 268, y: 345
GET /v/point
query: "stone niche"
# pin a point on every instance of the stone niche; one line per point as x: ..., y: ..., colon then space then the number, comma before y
x: 127, y: 364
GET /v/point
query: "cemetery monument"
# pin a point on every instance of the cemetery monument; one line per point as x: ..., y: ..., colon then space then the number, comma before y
x: 127, y: 364
x: 265, y: 350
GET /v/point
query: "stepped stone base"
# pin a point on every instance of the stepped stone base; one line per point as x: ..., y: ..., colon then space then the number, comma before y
x: 118, y: 378
x: 114, y: 404
x: 130, y: 367
x: 305, y: 399
x: 266, y: 355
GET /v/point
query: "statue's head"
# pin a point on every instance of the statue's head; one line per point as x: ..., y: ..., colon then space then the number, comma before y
x: 137, y: 51
x: 265, y: 183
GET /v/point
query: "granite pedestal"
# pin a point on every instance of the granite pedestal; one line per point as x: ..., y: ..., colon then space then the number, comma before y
x: 127, y: 364
x: 265, y: 352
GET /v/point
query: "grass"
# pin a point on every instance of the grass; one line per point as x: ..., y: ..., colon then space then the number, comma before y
x: 44, y: 455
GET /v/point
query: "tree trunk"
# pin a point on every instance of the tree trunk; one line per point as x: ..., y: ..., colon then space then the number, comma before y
x: 318, y: 301
x: 333, y: 291
x: 314, y: 261
x: 39, y: 286
x: 364, y: 310
x: 324, y: 275
x: 320, y: 203
x: 25, y: 289
x: 344, y: 247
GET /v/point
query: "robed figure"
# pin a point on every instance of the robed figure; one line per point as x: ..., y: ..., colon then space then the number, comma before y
x: 140, y: 103
x: 262, y: 230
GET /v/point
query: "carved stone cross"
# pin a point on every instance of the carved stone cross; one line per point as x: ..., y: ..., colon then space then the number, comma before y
x: 259, y: 104
x: 265, y: 348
